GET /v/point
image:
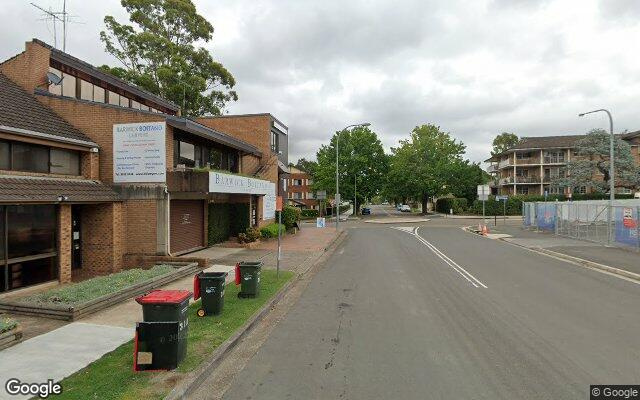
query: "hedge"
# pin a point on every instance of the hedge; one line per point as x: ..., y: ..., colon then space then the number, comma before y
x: 458, y: 204
x: 271, y: 230
x: 309, y: 213
x: 226, y: 220
x: 290, y: 215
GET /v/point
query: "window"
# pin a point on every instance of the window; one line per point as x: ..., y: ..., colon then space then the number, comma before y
x: 69, y: 85
x: 114, y: 98
x: 523, y: 156
x: 98, y: 94
x: 124, y: 102
x: 553, y: 157
x: 580, y: 189
x: 523, y: 190
x: 554, y: 189
x: 233, y: 162
x: 274, y: 142
x: 310, y: 195
x: 28, y: 157
x: 198, y: 156
x: 55, y: 89
x: 215, y: 158
x: 86, y: 90
x: 135, y: 104
x: 5, y: 152
x: 65, y: 162
x: 187, y: 154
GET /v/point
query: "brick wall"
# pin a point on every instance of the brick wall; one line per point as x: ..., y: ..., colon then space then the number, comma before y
x: 304, y: 189
x: 64, y: 243
x: 254, y: 129
x: 29, y: 68
x: 140, y: 226
x: 101, y: 227
x: 96, y: 121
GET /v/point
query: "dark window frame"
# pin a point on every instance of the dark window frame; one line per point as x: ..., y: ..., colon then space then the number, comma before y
x: 49, y: 149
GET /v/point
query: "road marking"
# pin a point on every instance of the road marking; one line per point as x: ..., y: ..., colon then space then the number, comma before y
x: 455, y: 266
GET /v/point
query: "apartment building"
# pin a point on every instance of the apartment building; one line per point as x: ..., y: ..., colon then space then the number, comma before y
x: 299, y: 189
x: 529, y: 167
x: 95, y: 172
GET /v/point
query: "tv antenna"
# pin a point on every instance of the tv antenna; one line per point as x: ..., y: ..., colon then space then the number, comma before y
x: 62, y: 17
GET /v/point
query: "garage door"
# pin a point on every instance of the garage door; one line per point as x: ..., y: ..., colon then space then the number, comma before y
x: 187, y: 224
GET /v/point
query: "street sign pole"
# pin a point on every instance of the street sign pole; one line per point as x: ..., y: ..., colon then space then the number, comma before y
x: 279, y: 208
x: 504, y: 211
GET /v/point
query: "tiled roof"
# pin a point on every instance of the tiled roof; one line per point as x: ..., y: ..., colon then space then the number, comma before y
x: 23, y: 112
x: 25, y: 189
x: 542, y: 142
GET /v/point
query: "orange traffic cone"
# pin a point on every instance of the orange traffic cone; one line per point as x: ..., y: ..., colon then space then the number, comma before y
x: 485, y: 230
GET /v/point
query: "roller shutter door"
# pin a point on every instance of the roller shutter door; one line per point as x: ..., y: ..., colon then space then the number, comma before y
x: 186, y: 224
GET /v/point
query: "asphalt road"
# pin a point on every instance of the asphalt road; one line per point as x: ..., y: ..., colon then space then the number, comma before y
x: 445, y: 314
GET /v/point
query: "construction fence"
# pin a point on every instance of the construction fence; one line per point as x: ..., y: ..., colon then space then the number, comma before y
x: 591, y: 220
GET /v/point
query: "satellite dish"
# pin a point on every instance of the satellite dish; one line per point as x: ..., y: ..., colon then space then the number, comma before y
x: 53, y: 78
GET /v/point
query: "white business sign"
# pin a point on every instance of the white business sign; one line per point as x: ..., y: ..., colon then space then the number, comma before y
x: 483, y: 192
x: 237, y: 184
x: 139, y: 152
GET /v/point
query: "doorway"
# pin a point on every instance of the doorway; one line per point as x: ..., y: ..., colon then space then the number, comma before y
x: 76, y: 237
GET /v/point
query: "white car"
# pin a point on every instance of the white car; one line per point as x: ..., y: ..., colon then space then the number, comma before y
x: 405, y: 208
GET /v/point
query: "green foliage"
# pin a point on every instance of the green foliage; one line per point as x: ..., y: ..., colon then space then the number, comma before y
x: 459, y: 205
x: 158, y: 53
x: 307, y: 166
x: 363, y: 164
x: 219, y: 227
x: 425, y: 165
x: 290, y: 215
x: 465, y: 179
x: 271, y: 230
x: 239, y: 218
x: 504, y: 142
x: 81, y: 292
x: 249, y: 236
x: 112, y: 377
x: 593, y: 158
x: 308, y: 213
x: 7, y: 324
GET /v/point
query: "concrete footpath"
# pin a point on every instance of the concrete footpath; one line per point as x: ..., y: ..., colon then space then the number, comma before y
x: 68, y: 347
x: 623, y: 259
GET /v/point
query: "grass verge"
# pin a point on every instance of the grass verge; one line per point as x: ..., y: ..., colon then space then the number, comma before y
x: 112, y: 376
x: 81, y: 292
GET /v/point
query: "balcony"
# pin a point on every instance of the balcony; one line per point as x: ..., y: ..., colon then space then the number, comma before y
x: 554, y: 160
x: 505, y: 163
x: 492, y: 168
x: 528, y: 179
x: 528, y: 161
x: 188, y: 181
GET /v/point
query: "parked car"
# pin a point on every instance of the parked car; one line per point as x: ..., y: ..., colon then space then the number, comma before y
x: 398, y: 207
x: 366, y: 211
x: 405, y: 208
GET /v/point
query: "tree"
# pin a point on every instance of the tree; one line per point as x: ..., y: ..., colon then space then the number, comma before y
x: 363, y: 164
x: 308, y: 166
x: 503, y: 142
x: 466, y: 178
x: 592, y: 160
x: 159, y: 55
x: 425, y: 165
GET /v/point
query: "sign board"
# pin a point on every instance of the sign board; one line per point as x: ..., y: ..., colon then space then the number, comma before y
x: 321, y: 194
x: 279, y: 203
x: 504, y: 198
x: 269, y: 203
x: 139, y: 152
x: 320, y: 222
x: 483, y: 192
x: 220, y: 182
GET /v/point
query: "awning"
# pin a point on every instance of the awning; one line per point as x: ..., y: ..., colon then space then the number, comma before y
x: 27, y: 189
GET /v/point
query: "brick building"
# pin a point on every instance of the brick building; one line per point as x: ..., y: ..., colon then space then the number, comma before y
x: 95, y: 172
x: 530, y: 166
x: 299, y: 193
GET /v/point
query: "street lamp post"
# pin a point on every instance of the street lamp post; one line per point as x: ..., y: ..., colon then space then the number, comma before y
x: 337, y: 174
x: 612, y: 184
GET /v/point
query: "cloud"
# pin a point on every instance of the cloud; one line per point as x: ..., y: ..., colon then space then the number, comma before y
x: 476, y: 68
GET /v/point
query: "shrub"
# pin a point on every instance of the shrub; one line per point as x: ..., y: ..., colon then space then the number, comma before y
x: 309, y: 213
x: 250, y: 236
x: 271, y: 230
x: 7, y: 324
x: 290, y: 215
x: 219, y: 227
x: 238, y: 218
x: 458, y: 204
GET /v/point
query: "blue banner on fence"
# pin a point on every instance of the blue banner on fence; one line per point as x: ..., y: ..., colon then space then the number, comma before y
x: 527, y: 214
x: 546, y: 216
x: 627, y: 225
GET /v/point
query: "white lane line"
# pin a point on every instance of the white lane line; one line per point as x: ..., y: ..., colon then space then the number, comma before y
x: 455, y: 266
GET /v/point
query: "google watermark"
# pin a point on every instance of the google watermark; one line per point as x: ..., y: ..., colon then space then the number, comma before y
x: 43, y: 390
x: 610, y: 392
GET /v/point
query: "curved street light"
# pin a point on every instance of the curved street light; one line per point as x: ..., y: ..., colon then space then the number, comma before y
x: 612, y: 184
x: 337, y: 176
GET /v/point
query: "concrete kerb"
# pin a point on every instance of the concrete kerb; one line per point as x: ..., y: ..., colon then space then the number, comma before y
x: 194, y: 379
x: 567, y: 258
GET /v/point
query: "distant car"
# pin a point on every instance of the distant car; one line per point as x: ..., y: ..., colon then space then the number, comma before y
x: 366, y: 211
x: 405, y: 208
x: 399, y: 207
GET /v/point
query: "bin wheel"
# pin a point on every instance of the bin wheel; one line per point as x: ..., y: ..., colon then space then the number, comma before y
x: 200, y: 312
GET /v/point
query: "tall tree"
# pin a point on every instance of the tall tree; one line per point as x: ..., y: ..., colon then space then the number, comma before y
x: 503, y: 142
x: 308, y: 166
x: 425, y: 165
x: 466, y: 178
x: 592, y: 161
x: 363, y: 165
x: 160, y: 55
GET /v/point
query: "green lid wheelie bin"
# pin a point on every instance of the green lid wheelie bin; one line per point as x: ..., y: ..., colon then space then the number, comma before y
x: 210, y: 287
x: 169, y: 306
x: 250, y: 278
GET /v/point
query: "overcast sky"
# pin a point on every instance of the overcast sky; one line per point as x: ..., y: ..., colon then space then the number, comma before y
x: 475, y: 68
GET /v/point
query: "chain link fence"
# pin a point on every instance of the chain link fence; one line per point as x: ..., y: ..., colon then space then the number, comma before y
x: 591, y: 220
